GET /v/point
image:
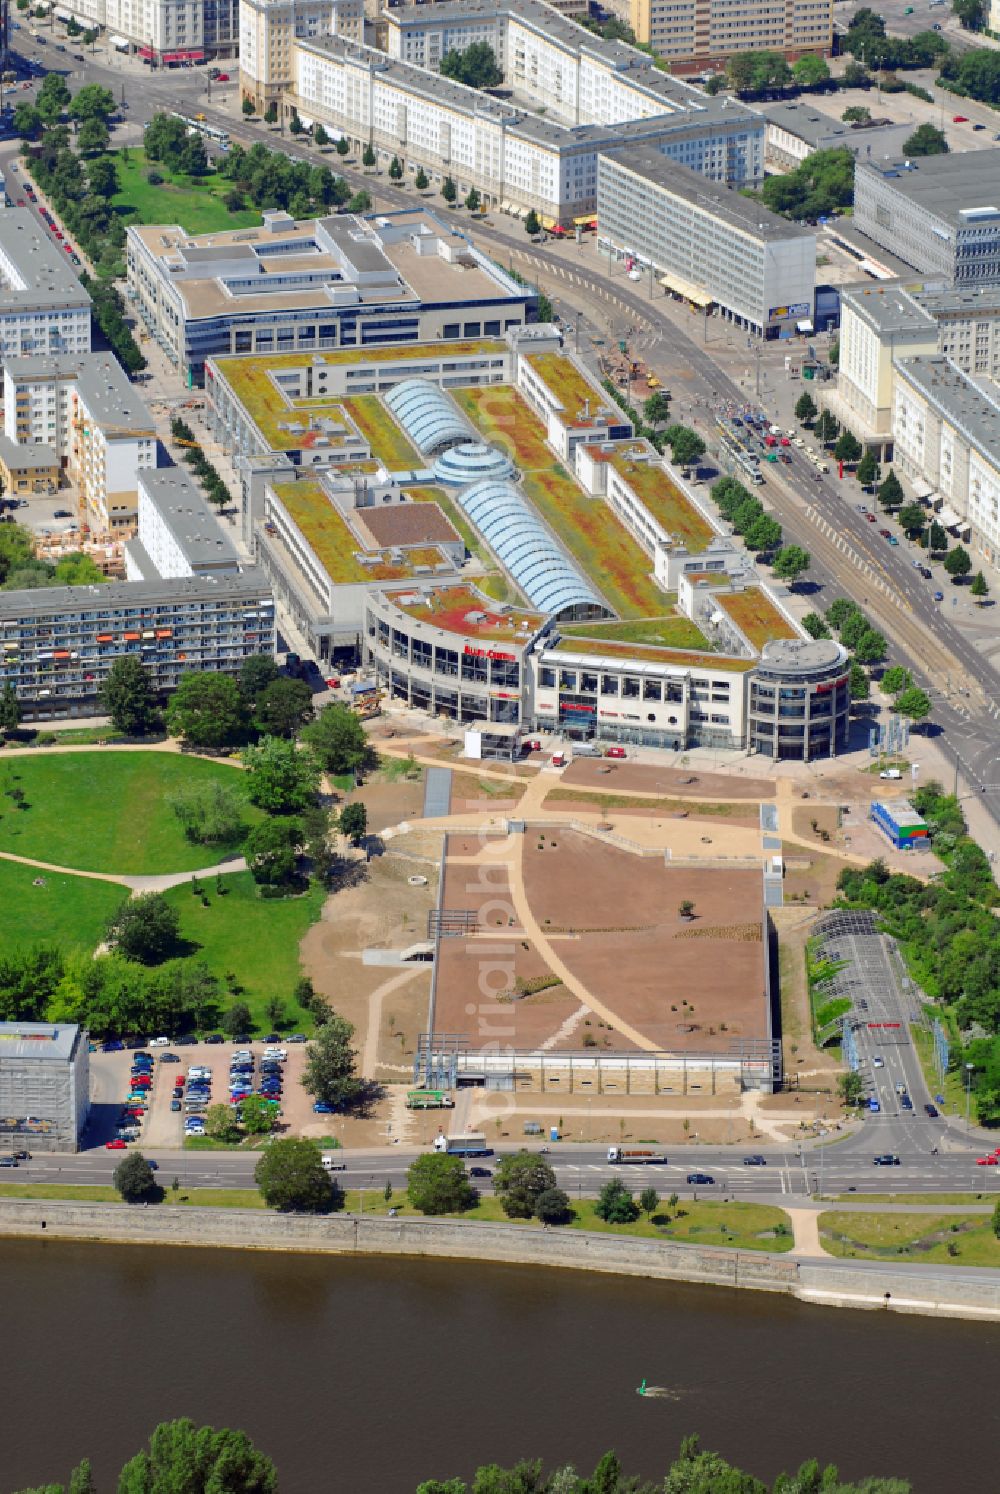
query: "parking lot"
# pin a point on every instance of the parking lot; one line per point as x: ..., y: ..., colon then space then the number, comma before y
x: 46, y: 513
x: 154, y: 1095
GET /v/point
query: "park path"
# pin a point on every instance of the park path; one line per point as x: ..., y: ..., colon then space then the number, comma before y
x: 134, y: 884
x: 369, y: 1056
x: 805, y: 1228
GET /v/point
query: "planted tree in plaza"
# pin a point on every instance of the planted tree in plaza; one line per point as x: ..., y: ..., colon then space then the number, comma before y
x: 473, y: 200
x: 247, y: 107
x: 320, y: 137
x: 848, y: 448
x: 127, y: 695
x: 280, y: 778
x: 937, y: 538
x: 867, y: 470
x: 292, y: 1178
x: 532, y: 223
x: 439, y: 1184
x: 92, y: 101
x: 890, y: 492
x: 805, y: 408
x: 815, y: 626
x: 686, y: 446
x: 791, y: 563
x: 979, y: 589
x: 519, y: 1180
x: 420, y: 181
x: 615, y: 1204
x: 656, y: 409
x: 145, y: 928
x: 826, y: 427
x: 448, y: 190
x: 135, y: 1180
x: 912, y: 518
x: 396, y: 169
x: 859, y: 685
x: 337, y: 737
x: 271, y: 113
x: 896, y: 679
x: 295, y: 126
x: 330, y: 1072
x: 763, y: 534
x: 870, y: 647
x: 957, y: 562
x: 368, y: 156
x: 914, y: 704
x: 341, y: 146
x: 206, y: 710
x: 851, y: 1086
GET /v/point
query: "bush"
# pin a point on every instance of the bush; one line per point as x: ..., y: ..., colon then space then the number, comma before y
x: 154, y: 178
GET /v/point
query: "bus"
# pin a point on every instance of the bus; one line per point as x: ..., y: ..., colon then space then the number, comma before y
x: 200, y: 126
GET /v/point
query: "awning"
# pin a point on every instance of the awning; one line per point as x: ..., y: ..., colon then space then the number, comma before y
x: 548, y: 222
x: 121, y: 42
x: 948, y: 517
x: 587, y: 220
x: 64, y: 15
x: 687, y: 289
x: 922, y: 490
x: 196, y: 55
x: 804, y: 326
x: 146, y: 52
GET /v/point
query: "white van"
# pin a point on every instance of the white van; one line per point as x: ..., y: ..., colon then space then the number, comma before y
x: 334, y: 1164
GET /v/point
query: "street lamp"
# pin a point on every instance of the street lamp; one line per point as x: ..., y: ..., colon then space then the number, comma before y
x: 968, y: 1093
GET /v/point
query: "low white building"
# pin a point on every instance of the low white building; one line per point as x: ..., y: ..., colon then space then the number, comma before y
x: 705, y: 242
x: 177, y: 534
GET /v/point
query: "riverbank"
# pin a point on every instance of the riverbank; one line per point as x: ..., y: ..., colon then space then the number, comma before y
x: 865, y: 1285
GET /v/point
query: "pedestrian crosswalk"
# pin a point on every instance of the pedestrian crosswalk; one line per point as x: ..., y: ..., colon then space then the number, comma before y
x: 846, y: 548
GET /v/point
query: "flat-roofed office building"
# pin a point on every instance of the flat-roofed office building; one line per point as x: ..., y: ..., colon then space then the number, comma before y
x: 44, y: 1085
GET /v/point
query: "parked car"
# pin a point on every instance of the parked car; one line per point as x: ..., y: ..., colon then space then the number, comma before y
x: 871, y: 518
x: 215, y: 1037
x: 170, y: 1058
x: 322, y: 1108
x: 160, y: 1042
x: 113, y: 1045
x: 175, y: 1105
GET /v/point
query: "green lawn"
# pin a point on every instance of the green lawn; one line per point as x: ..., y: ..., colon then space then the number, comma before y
x: 205, y: 1198
x: 952, y: 1087
x: 106, y: 811
x: 253, y: 938
x: 666, y: 632
x: 193, y: 202
x: 66, y: 910
x: 937, y: 1239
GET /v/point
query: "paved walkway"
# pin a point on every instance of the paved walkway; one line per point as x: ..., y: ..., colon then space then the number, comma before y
x: 805, y: 1227
x: 134, y: 884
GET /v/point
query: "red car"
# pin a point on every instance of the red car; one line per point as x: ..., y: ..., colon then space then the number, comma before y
x: 991, y: 1161
x: 21, y: 202
x: 139, y: 1082
x: 959, y: 119
x: 222, y: 78
x: 615, y: 752
x: 785, y: 441
x: 885, y: 533
x: 115, y: 1146
x: 532, y: 746
x: 333, y: 683
x: 871, y: 518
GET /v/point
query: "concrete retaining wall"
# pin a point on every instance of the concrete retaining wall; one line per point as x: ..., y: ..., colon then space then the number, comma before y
x: 850, y: 1284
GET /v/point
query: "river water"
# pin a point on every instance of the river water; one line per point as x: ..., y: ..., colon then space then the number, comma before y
x: 365, y: 1376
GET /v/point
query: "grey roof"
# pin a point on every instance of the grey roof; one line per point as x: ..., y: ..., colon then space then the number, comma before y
x: 954, y: 395
x: 901, y: 812
x: 47, y: 1041
x: 31, y: 454
x: 821, y: 131
x: 46, y: 277
x: 959, y: 299
x: 684, y: 108
x: 946, y: 187
x: 139, y: 556
x: 803, y: 655
x: 103, y: 384
x: 886, y: 306
x: 183, y: 510
x: 128, y: 595
x: 706, y: 196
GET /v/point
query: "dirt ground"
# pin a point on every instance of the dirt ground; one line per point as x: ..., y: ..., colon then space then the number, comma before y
x: 472, y: 793
x: 803, y: 1062
x: 819, y: 823
x: 388, y: 803
x: 651, y: 778
x: 810, y: 876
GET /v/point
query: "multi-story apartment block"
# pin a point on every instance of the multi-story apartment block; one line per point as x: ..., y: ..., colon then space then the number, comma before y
x: 58, y: 643
x: 946, y: 431
x: 940, y: 214
x: 707, y: 243
x: 43, y: 306
x: 705, y: 33
x: 81, y: 417
x: 339, y: 282
x: 164, y: 32
x: 178, y: 535
x: 269, y: 29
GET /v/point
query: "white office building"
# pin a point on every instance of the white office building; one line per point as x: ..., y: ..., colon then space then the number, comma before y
x: 43, y: 306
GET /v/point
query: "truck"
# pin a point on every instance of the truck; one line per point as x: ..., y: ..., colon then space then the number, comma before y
x: 429, y: 1099
x: 635, y: 1154
x: 473, y: 1144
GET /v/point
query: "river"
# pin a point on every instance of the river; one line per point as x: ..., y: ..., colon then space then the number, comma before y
x: 365, y: 1376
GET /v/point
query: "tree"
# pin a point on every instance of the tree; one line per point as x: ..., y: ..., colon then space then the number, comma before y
x: 368, y: 156
x: 438, y: 1184
x: 996, y: 1219
x: 926, y: 140
x: 135, y: 1180
x: 854, y: 626
x: 553, y: 1206
x: 686, y: 446
x: 473, y: 200
x: 896, y: 679
x: 805, y: 408
x: 856, y: 114
x: 656, y: 409
x: 867, y: 470
x: 330, y: 1072
x: 810, y: 71
x: 194, y: 158
x: 28, y: 121
x: 476, y: 66
x: 448, y: 190
x: 354, y: 822
x: 764, y: 533
x: 532, y: 224
x: 826, y: 427
x: 126, y: 694
x: 221, y: 1124
x: 53, y: 96
x: 913, y: 703
x: 519, y: 1180
x: 790, y: 563
x: 420, y: 181
x: 92, y: 101
x: 206, y: 710
x: 648, y: 1201
x: 292, y: 1178
x: 972, y: 14
x: 979, y: 589
x: 937, y: 537
x: 341, y: 146
x: 237, y: 1019
x: 870, y: 647
x: 271, y: 851
x: 396, y: 169
x: 247, y: 107
x: 957, y: 562
x: 183, y: 1457
x: 10, y: 710
x: 102, y: 175
x: 81, y: 1480
x: 145, y: 928
x: 212, y: 813
x: 295, y: 125
x: 851, y: 1086
x: 279, y: 778
x: 912, y: 518
x: 320, y: 137
x: 257, y: 672
x: 271, y: 113
x: 848, y: 448
x: 615, y: 1204
x: 257, y: 1115
x: 337, y: 737
x: 859, y: 687
x: 815, y: 626
x: 93, y: 137
x: 283, y: 707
